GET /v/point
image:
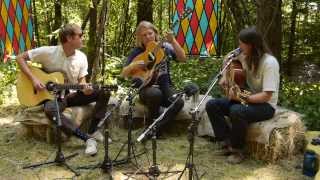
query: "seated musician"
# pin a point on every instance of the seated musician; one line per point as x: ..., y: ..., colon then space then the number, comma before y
x: 72, y: 63
x: 262, y: 78
x: 158, y: 92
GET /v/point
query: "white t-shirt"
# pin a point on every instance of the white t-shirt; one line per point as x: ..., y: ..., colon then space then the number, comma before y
x: 267, y: 78
x: 53, y: 59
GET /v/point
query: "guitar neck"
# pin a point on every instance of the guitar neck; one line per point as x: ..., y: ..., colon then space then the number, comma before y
x: 58, y: 87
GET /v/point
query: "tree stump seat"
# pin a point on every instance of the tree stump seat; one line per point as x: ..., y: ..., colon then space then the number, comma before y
x: 280, y: 137
x: 36, y: 124
x: 180, y: 124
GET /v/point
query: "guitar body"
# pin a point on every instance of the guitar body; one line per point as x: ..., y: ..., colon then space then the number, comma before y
x: 26, y: 93
x: 147, y: 74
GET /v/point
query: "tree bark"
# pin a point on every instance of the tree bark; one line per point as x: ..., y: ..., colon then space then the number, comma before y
x: 269, y: 24
x: 96, y: 60
x: 92, y: 37
x: 57, y: 20
x: 145, y: 11
x: 36, y: 25
x: 292, y: 37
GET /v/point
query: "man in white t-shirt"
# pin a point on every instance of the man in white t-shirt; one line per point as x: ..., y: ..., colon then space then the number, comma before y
x: 72, y: 63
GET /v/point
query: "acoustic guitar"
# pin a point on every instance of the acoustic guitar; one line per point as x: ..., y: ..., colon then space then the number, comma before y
x: 153, y: 57
x: 28, y: 96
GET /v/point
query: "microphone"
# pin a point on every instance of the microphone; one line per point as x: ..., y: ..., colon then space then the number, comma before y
x: 136, y: 82
x: 234, y: 53
x: 190, y: 90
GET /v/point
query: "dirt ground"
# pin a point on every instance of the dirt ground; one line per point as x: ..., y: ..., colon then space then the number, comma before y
x: 17, y: 151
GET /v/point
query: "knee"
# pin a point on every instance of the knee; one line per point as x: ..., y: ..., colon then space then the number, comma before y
x: 180, y: 104
x: 236, y: 111
x: 211, y: 105
x: 49, y: 108
x: 152, y: 96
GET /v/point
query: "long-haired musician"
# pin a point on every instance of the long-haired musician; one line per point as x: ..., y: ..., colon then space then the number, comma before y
x: 262, y: 79
x: 156, y: 89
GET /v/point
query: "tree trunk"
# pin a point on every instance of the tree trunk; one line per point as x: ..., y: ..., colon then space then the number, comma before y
x: 292, y: 37
x: 57, y: 20
x: 269, y: 24
x: 160, y: 13
x: 122, y: 39
x: 36, y: 26
x: 96, y: 60
x: 92, y: 37
x: 239, y: 13
x: 145, y: 11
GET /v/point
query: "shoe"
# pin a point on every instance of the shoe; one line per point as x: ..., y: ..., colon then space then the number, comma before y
x: 223, y: 150
x: 91, y: 147
x: 235, y: 158
x: 99, y: 137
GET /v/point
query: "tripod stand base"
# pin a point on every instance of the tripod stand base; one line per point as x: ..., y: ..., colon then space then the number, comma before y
x: 153, y: 173
x: 59, y: 160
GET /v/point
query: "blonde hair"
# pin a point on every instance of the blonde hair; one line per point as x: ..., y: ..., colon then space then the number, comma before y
x: 67, y: 30
x: 146, y: 25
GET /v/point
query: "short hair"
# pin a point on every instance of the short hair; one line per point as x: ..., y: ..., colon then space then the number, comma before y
x: 147, y: 25
x: 67, y: 30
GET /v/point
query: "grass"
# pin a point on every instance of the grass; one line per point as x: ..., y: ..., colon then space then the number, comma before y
x: 16, y: 151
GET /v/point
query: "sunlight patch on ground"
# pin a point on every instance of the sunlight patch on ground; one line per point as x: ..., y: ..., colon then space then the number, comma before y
x: 8, y: 120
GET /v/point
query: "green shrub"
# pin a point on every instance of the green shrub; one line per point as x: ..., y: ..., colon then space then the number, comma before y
x: 8, y: 73
x: 303, y: 98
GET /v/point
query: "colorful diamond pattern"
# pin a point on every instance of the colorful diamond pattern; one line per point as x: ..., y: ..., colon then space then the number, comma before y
x: 16, y: 28
x: 197, y: 34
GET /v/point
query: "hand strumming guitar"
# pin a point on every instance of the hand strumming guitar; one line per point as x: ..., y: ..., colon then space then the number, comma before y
x: 37, y: 84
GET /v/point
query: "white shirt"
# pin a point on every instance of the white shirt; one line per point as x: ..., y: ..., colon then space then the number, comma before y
x: 267, y: 78
x: 53, y: 59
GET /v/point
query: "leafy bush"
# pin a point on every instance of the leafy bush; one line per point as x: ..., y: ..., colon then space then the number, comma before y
x: 196, y: 71
x: 303, y: 98
x: 8, y: 73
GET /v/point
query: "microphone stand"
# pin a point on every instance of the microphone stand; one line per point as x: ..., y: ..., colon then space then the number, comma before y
x: 107, y: 163
x: 154, y: 170
x: 130, y: 145
x: 60, y: 159
x: 194, y: 124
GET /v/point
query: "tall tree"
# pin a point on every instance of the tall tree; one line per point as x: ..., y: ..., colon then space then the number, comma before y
x: 269, y: 24
x: 292, y: 37
x: 92, y: 35
x: 36, y: 26
x: 99, y: 37
x: 57, y: 20
x: 239, y: 12
x: 145, y: 10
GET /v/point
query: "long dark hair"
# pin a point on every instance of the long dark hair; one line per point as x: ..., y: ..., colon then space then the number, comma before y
x: 259, y: 47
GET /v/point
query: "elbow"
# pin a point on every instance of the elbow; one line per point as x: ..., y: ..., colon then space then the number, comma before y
x: 183, y: 58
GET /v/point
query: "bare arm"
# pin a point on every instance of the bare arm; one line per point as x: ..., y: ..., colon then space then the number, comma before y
x: 88, y: 89
x: 127, y: 70
x: 181, y: 56
x: 21, y: 59
x: 261, y: 97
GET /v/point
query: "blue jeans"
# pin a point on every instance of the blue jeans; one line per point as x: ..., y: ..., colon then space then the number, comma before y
x: 240, y: 116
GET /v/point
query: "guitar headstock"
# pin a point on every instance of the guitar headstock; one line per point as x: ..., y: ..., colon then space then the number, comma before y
x: 109, y: 87
x: 186, y: 12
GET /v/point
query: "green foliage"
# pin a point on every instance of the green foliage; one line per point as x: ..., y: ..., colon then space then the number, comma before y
x: 303, y: 98
x: 8, y: 73
x: 200, y: 72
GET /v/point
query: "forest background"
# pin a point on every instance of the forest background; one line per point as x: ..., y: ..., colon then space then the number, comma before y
x: 290, y: 28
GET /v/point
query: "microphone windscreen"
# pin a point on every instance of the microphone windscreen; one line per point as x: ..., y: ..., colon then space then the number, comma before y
x: 136, y: 82
x: 235, y: 53
x: 191, y: 89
